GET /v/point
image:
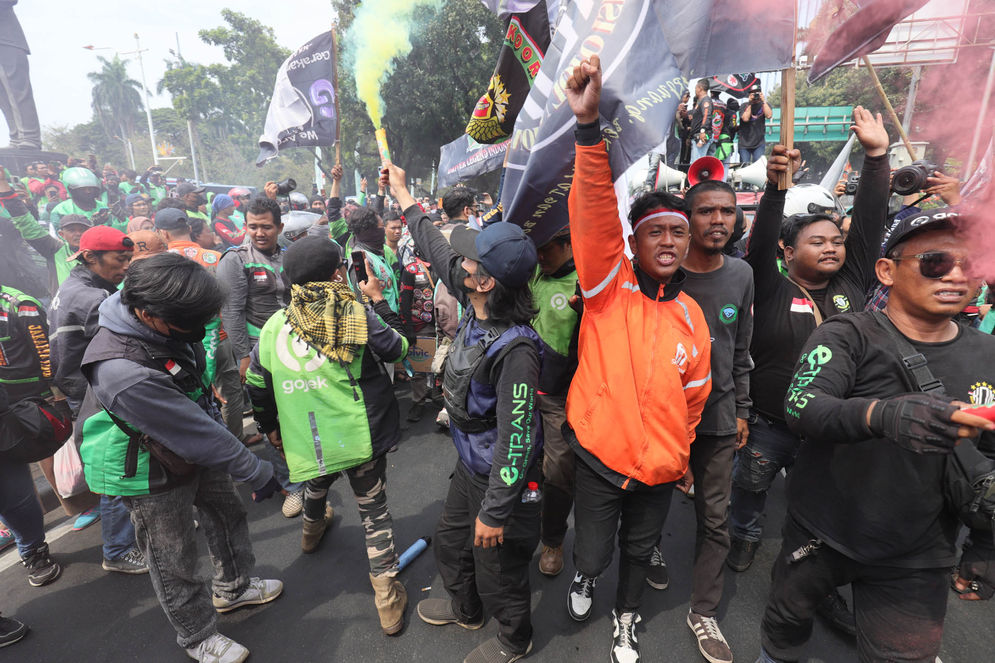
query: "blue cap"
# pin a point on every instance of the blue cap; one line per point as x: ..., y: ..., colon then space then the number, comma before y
x: 221, y: 201
x: 503, y: 248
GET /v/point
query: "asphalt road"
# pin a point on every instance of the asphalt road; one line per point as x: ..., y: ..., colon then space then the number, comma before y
x: 326, y: 612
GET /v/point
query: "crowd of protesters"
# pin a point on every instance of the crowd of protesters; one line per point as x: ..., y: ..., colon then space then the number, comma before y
x: 595, y: 374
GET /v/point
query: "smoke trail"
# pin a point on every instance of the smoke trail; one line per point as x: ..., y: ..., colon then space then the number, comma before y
x: 380, y: 33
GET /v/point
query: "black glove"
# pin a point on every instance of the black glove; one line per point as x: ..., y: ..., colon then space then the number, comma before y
x: 271, y: 488
x: 917, y: 422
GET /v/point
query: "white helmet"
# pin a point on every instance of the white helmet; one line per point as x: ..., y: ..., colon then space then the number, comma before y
x: 811, y: 199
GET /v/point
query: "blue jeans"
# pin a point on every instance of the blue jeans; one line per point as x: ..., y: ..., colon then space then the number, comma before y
x: 747, y: 155
x: 770, y: 448
x: 280, y: 469
x: 164, y: 522
x: 698, y: 152
x: 19, y: 506
x: 115, y: 527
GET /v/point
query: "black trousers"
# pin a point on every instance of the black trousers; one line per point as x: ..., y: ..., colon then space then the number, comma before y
x: 601, y: 508
x: 899, y: 611
x: 492, y: 579
x: 17, y: 101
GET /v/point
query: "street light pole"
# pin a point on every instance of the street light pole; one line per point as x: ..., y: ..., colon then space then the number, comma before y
x: 148, y: 106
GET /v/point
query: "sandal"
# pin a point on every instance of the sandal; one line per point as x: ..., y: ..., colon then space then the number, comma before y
x: 970, y: 590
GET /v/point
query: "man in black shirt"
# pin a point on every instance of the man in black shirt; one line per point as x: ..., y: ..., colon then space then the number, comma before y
x: 753, y: 125
x: 825, y: 276
x: 866, y: 496
x: 701, y: 118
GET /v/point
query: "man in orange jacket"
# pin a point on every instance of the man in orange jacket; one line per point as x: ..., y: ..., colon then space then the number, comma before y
x: 643, y: 375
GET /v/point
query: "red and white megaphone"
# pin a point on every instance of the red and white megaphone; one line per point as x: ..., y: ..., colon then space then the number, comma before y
x: 706, y: 168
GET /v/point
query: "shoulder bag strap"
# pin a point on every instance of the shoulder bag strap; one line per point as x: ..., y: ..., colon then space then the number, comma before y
x: 815, y: 307
x: 917, y: 371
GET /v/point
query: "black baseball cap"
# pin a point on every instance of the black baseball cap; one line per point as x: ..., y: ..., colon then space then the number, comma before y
x: 170, y: 218
x: 941, y: 218
x: 503, y: 248
x: 188, y: 187
x: 755, y: 87
x: 311, y: 259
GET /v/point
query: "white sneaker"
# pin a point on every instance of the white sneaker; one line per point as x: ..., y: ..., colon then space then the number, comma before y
x: 625, y: 645
x: 258, y: 592
x: 218, y: 649
x: 293, y: 504
x: 580, y: 598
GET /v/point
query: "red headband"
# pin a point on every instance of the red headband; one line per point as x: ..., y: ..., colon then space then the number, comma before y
x: 660, y: 212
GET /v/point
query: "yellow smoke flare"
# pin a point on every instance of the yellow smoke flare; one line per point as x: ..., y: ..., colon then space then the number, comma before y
x: 381, y: 135
x: 380, y: 33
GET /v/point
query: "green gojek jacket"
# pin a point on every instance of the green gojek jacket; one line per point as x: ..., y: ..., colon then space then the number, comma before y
x: 557, y: 324
x: 331, y: 416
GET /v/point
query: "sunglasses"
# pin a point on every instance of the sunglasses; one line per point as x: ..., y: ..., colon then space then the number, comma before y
x: 937, y: 264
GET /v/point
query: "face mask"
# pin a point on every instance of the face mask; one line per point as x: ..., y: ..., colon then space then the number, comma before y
x: 472, y: 221
x: 373, y: 238
x: 195, y: 335
x: 83, y: 197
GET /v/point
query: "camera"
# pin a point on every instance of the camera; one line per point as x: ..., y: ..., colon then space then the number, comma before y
x: 906, y: 181
x: 852, y: 179
x: 286, y: 186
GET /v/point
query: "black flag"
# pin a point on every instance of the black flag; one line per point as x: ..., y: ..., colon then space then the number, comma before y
x: 736, y: 85
x: 647, y: 48
x: 525, y: 42
x: 302, y: 110
x: 465, y: 158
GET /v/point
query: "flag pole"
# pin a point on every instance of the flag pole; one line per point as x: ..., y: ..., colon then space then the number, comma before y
x: 787, y: 121
x: 887, y: 104
x: 788, y: 107
x: 335, y: 84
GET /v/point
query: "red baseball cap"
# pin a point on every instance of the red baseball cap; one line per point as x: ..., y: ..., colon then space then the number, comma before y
x: 102, y: 238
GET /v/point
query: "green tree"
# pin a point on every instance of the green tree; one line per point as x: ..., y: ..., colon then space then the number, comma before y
x: 846, y: 86
x: 429, y: 97
x: 115, y: 97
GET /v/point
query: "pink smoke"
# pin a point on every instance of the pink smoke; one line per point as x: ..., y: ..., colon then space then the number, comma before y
x: 948, y: 112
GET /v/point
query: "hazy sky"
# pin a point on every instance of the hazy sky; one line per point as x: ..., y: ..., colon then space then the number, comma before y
x: 57, y: 31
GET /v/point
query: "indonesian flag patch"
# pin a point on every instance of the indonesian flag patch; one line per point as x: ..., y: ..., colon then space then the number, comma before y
x: 802, y: 305
x: 172, y: 367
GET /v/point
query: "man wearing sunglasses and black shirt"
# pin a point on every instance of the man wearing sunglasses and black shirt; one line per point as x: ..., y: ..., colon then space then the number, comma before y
x: 866, y: 496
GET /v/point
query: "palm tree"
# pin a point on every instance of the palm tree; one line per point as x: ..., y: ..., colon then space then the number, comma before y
x: 116, y: 99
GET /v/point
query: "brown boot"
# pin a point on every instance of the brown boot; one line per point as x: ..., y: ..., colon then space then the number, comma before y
x: 314, y: 530
x: 390, y: 598
x: 551, y: 560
